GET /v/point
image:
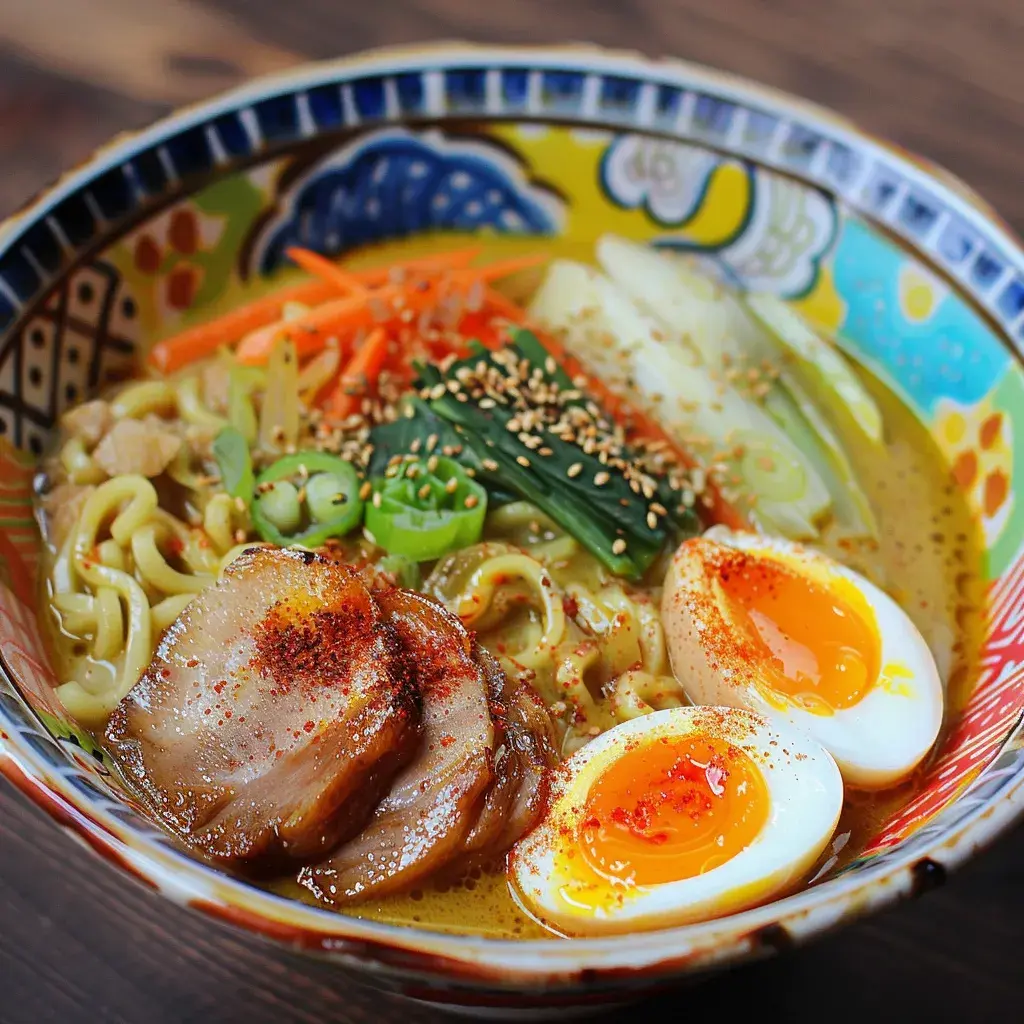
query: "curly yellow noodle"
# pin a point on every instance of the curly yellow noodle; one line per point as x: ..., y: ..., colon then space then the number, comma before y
x: 141, y: 499
x: 77, y: 612
x: 571, y: 685
x: 515, y: 515
x: 79, y: 464
x: 611, y: 609
x: 191, y: 407
x: 109, y: 634
x: 637, y: 693
x: 472, y: 605
x: 561, y: 549
x: 196, y: 551
x: 63, y: 576
x: 145, y: 397
x: 166, y: 611
x: 112, y: 555
x: 154, y: 568
x: 139, y: 645
x: 86, y: 707
x: 218, y: 521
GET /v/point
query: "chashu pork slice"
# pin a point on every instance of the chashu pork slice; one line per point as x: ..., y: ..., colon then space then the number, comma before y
x: 420, y: 826
x: 525, y: 751
x: 274, y: 715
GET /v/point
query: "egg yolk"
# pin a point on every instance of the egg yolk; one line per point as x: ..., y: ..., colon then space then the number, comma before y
x: 672, y: 809
x: 821, y: 654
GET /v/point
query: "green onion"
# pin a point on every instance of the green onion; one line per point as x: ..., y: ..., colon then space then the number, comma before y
x: 425, y: 513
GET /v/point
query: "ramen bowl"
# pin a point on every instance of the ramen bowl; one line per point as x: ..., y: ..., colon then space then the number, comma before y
x: 918, y: 279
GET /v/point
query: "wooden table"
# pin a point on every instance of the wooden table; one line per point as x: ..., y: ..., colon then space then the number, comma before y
x: 78, y: 942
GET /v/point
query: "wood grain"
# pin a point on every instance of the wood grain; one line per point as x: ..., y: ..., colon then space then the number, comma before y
x: 78, y: 942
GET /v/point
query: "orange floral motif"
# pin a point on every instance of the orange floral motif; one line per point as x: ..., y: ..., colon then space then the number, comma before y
x: 977, y: 441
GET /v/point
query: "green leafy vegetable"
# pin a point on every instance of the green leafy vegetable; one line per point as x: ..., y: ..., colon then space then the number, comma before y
x: 231, y: 450
x: 515, y: 410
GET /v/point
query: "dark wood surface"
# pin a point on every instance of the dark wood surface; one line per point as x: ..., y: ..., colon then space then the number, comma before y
x: 78, y: 942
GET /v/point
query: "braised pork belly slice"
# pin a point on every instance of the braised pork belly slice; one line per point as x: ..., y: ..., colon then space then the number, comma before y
x: 276, y: 713
x: 420, y: 826
x: 524, y: 750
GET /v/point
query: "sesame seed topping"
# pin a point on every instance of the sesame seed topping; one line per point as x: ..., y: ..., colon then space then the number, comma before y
x: 523, y: 461
x: 471, y: 501
x: 600, y: 479
x: 618, y: 547
x: 574, y: 470
x: 652, y: 520
x: 377, y: 499
x: 432, y: 464
x: 365, y: 491
x: 431, y: 442
x: 452, y: 486
x: 490, y: 465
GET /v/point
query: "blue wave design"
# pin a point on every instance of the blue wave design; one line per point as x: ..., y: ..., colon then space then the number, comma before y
x: 953, y: 354
x: 396, y: 186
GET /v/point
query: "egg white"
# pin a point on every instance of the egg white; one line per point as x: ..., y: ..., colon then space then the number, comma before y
x: 805, y: 792
x: 876, y: 742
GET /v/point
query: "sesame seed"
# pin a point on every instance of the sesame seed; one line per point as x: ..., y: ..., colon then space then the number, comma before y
x: 471, y: 501
x: 545, y: 452
x: 412, y: 471
x: 550, y: 365
x: 365, y: 491
x: 600, y: 479
x: 574, y: 470
x: 487, y: 403
x: 437, y: 391
x: 239, y: 536
x: 432, y: 464
x: 523, y: 461
x: 414, y: 445
x: 424, y: 492
x: 490, y: 465
x: 431, y: 442
x: 652, y: 520
x: 452, y: 486
x: 377, y: 499
x: 618, y: 547
x: 656, y: 506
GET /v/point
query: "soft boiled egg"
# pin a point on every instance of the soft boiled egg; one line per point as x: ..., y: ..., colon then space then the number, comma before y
x: 772, y: 626
x: 677, y: 816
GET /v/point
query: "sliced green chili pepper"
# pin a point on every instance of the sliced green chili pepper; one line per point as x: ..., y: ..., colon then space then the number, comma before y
x: 305, y: 499
x: 424, y: 513
x: 231, y: 450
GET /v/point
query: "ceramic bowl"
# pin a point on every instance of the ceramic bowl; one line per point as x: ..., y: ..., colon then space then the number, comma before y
x: 918, y: 277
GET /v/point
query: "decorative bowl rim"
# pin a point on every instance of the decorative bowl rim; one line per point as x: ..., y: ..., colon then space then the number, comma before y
x: 552, y: 964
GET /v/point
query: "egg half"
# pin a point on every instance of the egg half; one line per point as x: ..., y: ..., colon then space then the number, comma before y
x: 772, y: 626
x: 677, y: 816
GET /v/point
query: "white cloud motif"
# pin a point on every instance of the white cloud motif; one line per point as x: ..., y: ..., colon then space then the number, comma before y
x: 668, y: 178
x: 791, y: 227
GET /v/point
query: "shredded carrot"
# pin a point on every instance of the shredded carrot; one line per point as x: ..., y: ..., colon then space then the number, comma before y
x: 364, y: 310
x: 359, y: 376
x: 328, y: 271
x: 202, y: 341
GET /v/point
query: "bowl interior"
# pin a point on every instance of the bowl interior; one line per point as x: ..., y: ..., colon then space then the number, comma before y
x: 371, y: 158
